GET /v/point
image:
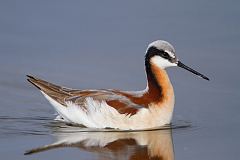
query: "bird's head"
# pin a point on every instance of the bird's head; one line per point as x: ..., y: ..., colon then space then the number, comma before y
x: 162, y: 54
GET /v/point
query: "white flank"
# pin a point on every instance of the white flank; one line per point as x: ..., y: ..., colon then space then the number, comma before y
x: 98, y: 114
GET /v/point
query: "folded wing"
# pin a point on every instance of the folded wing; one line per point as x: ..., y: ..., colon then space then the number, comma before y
x: 64, y: 95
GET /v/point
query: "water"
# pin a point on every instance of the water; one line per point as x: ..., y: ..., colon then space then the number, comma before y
x: 101, y: 45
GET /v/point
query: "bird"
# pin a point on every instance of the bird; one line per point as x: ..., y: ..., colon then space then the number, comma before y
x: 121, y: 110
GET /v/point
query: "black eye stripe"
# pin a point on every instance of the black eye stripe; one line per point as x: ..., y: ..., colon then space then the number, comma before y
x: 164, y: 55
x: 153, y: 51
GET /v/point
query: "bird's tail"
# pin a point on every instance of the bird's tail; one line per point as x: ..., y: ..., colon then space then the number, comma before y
x: 54, y: 91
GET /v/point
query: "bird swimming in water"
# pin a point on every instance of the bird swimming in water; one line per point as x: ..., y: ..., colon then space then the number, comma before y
x: 124, y: 110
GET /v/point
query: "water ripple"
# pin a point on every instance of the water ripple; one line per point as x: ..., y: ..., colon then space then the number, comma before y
x: 41, y: 125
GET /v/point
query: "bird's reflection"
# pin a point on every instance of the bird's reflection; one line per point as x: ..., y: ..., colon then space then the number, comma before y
x: 155, y: 144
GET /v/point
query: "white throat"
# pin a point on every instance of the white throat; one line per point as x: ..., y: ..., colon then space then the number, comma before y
x: 161, y: 62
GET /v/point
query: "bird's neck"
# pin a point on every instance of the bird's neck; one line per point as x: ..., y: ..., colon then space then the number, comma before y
x: 159, y: 85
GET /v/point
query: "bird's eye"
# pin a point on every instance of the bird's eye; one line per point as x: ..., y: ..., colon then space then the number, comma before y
x: 165, y: 54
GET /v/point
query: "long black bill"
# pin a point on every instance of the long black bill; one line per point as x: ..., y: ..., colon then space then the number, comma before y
x: 180, y: 64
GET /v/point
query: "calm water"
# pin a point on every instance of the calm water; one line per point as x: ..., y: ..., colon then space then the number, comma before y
x: 101, y: 45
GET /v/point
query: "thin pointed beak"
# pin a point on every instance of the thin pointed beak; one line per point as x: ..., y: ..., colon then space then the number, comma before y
x: 180, y: 64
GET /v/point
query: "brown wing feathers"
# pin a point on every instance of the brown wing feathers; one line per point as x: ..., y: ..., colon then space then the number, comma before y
x: 52, y: 90
x: 115, y: 99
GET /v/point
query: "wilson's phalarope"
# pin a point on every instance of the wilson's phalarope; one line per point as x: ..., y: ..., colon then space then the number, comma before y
x: 150, y: 108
